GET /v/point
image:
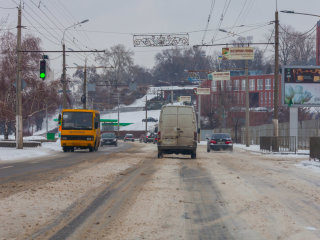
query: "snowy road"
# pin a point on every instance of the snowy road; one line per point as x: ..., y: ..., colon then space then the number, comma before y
x: 134, y: 195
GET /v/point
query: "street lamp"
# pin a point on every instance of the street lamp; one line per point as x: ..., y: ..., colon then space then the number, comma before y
x: 293, y: 12
x: 64, y: 80
x: 232, y: 33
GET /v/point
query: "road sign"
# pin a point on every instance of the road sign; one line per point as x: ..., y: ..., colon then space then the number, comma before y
x: 132, y: 86
x: 203, y: 91
x: 91, y: 87
x: 23, y: 82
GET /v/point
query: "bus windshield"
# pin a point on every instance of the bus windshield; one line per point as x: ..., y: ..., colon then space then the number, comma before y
x: 77, y: 120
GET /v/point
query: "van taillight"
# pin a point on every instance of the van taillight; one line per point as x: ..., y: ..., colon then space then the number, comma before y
x: 195, y: 137
x: 213, y: 141
x: 159, y: 135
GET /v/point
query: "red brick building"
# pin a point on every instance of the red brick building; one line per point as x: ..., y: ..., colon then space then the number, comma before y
x: 261, y: 90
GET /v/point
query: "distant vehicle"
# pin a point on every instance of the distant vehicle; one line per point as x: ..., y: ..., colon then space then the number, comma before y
x: 109, y: 139
x: 150, y: 119
x: 128, y: 137
x: 177, y: 131
x: 219, y: 141
x: 80, y: 128
x: 147, y: 138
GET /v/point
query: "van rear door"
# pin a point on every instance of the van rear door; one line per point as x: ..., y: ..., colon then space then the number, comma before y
x: 185, y: 129
x: 169, y: 121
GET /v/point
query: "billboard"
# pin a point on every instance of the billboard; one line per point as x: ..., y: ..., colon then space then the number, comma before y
x: 301, y: 86
x: 219, y: 76
x: 238, y: 53
x: 185, y: 99
x: 203, y: 91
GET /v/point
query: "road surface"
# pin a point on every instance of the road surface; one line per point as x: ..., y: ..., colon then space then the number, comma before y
x: 131, y: 194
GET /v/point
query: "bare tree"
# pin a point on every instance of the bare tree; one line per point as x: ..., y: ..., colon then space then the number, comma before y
x: 35, y: 95
x: 121, y: 59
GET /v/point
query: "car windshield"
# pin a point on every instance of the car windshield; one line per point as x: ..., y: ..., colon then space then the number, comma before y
x: 220, y: 136
x: 108, y: 135
x: 77, y: 120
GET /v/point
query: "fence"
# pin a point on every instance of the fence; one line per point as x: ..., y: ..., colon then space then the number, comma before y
x: 306, y: 129
x: 278, y: 144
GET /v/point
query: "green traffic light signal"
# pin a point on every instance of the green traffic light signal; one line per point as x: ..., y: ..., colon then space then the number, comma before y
x: 43, y: 69
x: 42, y: 75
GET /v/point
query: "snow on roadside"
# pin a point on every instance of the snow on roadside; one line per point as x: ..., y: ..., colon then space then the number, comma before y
x: 11, y: 154
x: 312, y: 165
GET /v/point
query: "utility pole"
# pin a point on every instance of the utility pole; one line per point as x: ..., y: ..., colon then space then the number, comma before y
x: 64, y: 79
x: 85, y: 86
x: 19, y: 125
x: 199, y: 116
x: 146, y: 116
x: 247, y: 104
x: 118, y: 115
x: 276, y: 78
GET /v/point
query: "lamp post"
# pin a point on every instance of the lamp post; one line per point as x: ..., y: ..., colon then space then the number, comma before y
x: 64, y: 80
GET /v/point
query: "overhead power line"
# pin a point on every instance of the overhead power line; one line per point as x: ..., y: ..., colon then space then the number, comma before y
x: 213, y: 2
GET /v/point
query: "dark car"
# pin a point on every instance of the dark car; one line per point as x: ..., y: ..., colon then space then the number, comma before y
x: 129, y: 137
x: 219, y: 141
x: 109, y: 139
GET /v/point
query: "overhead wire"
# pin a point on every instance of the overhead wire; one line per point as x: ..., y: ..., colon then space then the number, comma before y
x: 53, y: 22
x: 224, y: 12
x: 213, y: 2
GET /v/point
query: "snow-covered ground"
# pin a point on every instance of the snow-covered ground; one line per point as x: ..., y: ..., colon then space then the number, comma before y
x: 10, y: 154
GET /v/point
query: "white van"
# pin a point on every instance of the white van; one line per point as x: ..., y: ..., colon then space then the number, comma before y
x: 177, y: 131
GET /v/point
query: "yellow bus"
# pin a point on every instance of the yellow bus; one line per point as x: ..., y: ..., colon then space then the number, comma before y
x: 80, y: 128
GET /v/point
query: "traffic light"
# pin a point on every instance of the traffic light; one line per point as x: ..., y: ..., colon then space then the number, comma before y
x: 43, y: 69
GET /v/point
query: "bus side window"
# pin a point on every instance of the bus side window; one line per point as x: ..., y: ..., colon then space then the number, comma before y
x: 97, y: 121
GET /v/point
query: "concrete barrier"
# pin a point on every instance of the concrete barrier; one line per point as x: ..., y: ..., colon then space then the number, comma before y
x: 12, y: 144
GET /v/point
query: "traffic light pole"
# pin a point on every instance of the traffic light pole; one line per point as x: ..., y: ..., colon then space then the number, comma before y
x: 19, y: 124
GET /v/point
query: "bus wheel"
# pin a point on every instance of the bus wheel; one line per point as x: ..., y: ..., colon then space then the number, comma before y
x: 90, y: 149
x: 65, y: 149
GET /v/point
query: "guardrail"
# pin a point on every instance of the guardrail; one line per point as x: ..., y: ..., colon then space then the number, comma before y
x: 278, y: 144
x: 314, y: 148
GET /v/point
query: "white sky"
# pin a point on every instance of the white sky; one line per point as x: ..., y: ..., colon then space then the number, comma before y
x: 114, y: 22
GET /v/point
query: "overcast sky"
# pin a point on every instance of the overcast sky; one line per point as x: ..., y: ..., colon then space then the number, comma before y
x: 115, y: 22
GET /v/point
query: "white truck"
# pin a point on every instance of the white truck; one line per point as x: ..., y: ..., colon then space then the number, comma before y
x: 177, y: 132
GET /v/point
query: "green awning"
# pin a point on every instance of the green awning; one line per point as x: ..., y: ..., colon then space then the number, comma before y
x: 116, y: 124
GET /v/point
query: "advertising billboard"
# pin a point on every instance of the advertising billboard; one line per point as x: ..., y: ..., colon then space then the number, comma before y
x: 238, y: 53
x: 301, y: 86
x: 203, y: 91
x: 219, y: 76
x: 185, y: 99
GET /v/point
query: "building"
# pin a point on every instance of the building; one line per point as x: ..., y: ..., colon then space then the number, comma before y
x: 261, y: 91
